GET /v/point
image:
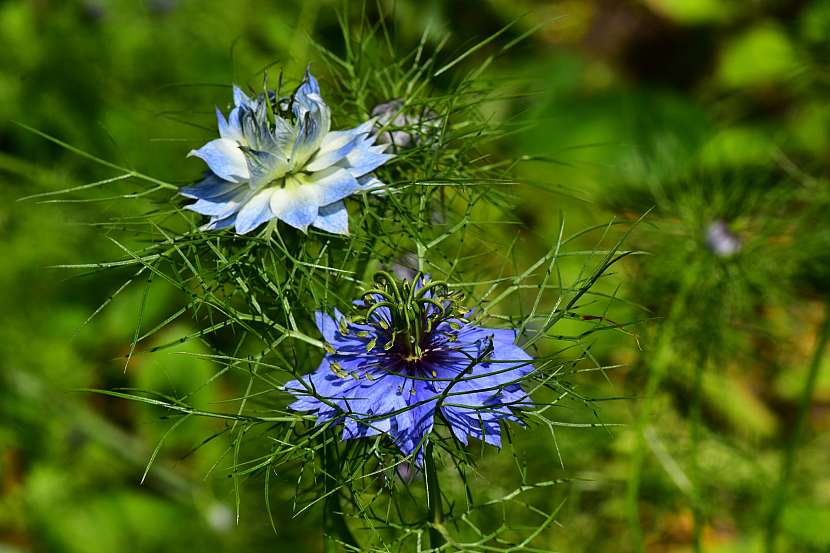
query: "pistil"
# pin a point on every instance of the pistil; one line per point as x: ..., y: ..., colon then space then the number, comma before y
x: 415, y: 309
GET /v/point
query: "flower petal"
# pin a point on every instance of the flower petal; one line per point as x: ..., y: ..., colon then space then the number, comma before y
x: 412, y: 426
x: 296, y: 205
x: 332, y: 185
x: 221, y: 198
x: 240, y: 98
x: 336, y: 145
x: 322, y: 383
x: 216, y: 223
x: 325, y: 158
x: 369, y: 183
x: 255, y: 212
x: 335, y: 139
x: 476, y: 423
x: 327, y: 325
x: 218, y: 209
x: 313, y: 125
x: 209, y: 188
x: 365, y: 158
x: 305, y: 92
x: 222, y: 124
x: 224, y: 158
x: 333, y: 218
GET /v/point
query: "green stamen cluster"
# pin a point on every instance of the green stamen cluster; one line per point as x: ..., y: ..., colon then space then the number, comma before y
x: 409, y: 305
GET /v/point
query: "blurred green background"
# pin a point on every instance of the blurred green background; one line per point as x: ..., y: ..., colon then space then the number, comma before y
x: 713, y: 114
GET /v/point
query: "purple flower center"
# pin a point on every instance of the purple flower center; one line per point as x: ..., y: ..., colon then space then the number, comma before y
x: 414, y: 323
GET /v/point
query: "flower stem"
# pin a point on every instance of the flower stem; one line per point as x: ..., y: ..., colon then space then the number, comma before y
x: 436, y: 510
x: 336, y: 529
x: 780, y: 494
x: 697, y: 423
x: 657, y: 368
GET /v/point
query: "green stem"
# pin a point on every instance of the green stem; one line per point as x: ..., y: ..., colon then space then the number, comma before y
x: 436, y: 510
x: 805, y: 403
x: 336, y: 529
x: 697, y: 501
x: 663, y: 357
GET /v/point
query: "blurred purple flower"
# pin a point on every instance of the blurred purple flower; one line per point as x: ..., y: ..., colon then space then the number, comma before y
x: 721, y: 241
x: 404, y: 130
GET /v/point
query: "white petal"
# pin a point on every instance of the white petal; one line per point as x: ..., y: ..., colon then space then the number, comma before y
x: 365, y: 158
x: 224, y: 158
x: 254, y: 212
x: 220, y: 209
x: 331, y: 153
x: 333, y: 218
x: 221, y: 123
x: 370, y: 183
x: 296, y: 205
x: 338, y: 139
x: 336, y: 145
x: 230, y: 129
x: 333, y: 185
x: 240, y: 98
x: 312, y: 127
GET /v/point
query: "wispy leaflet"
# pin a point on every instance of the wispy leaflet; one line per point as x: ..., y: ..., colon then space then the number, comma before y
x: 277, y: 158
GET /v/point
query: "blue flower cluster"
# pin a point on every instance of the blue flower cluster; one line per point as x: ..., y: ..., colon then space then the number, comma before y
x: 409, y: 355
x: 279, y: 159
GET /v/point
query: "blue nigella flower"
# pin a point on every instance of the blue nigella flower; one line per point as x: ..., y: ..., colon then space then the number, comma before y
x: 410, y: 354
x: 278, y: 159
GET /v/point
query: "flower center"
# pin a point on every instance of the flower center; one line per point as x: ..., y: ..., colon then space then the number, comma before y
x: 284, y: 178
x: 409, y: 314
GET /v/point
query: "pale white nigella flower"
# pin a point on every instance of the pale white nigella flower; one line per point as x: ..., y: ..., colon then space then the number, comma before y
x: 280, y: 160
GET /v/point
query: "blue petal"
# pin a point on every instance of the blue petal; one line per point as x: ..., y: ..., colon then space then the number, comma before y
x: 254, y: 213
x: 309, y: 85
x: 369, y: 183
x: 478, y: 424
x: 209, y: 188
x: 322, y: 383
x: 411, y: 427
x: 333, y: 185
x: 508, y: 360
x: 335, y: 139
x: 333, y: 218
x: 365, y: 158
x: 222, y: 123
x: 352, y: 428
x: 240, y: 98
x: 296, y: 206
x: 313, y: 126
x: 265, y: 167
x: 337, y: 144
x: 325, y: 158
x: 224, y: 204
x: 327, y: 325
x: 224, y: 158
x: 302, y: 97
x: 217, y: 223
x: 214, y: 209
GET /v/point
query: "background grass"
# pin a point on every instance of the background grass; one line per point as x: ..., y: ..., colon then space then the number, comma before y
x: 701, y: 110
